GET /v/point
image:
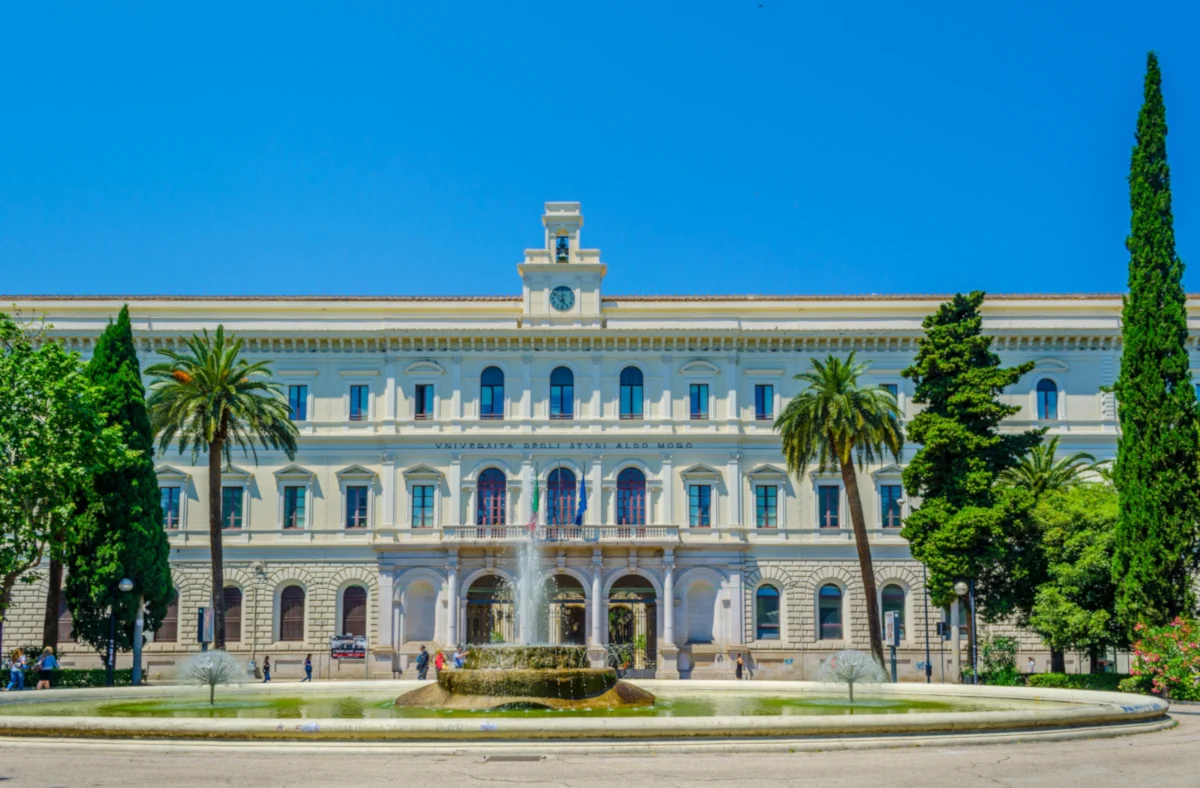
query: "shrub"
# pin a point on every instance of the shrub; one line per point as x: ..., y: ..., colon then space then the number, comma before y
x: 1102, y: 682
x: 72, y: 678
x: 1169, y: 657
x: 999, y: 657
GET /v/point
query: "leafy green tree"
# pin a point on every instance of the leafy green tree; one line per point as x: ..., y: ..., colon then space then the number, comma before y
x: 966, y: 527
x: 52, y: 442
x: 1041, y: 471
x: 1074, y: 609
x: 210, y: 399
x: 837, y: 422
x: 1157, y: 453
x: 121, y: 536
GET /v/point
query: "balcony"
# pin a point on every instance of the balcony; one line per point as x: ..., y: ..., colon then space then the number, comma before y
x: 562, y: 534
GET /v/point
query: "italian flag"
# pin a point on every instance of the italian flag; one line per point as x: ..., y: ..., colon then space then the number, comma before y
x: 533, y: 519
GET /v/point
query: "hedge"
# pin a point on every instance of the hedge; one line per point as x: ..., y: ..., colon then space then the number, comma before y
x: 70, y: 678
x: 1104, y: 682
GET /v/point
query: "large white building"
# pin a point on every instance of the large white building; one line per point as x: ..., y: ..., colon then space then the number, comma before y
x: 424, y: 422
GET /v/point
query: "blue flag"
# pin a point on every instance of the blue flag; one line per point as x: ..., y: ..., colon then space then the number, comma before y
x: 582, y: 503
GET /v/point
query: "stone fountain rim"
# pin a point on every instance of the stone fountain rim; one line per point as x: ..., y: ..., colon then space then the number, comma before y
x: 1078, y: 714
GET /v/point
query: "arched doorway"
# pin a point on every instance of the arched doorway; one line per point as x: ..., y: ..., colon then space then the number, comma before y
x: 490, y: 614
x: 560, y: 502
x: 631, y: 502
x: 633, y: 624
x: 567, y: 615
x: 491, y: 502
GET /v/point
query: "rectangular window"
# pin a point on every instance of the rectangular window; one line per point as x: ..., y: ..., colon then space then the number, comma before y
x: 766, y: 498
x: 422, y: 506
x: 231, y: 507
x: 170, y: 497
x: 764, y: 402
x: 294, y: 499
x: 889, y: 505
x: 424, y: 401
x: 700, y: 505
x: 699, y: 396
x: 359, y: 402
x: 298, y: 402
x: 828, y: 496
x: 356, y: 506
x: 893, y: 389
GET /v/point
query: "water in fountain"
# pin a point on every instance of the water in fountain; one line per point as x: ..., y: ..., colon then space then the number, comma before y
x: 530, y: 591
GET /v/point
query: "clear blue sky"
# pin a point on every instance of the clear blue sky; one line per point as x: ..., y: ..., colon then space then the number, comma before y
x: 717, y: 147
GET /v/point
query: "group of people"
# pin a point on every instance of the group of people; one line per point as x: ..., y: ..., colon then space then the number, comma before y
x: 45, y: 666
x: 440, y: 661
x: 266, y: 669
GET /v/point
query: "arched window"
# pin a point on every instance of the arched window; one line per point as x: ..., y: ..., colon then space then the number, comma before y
x: 631, y: 393
x: 1047, y: 400
x: 562, y: 393
x: 766, y: 613
x: 354, y: 611
x: 631, y: 497
x: 829, y: 612
x: 233, y: 613
x: 560, y: 497
x: 291, y: 614
x: 168, y: 628
x: 492, y: 497
x: 491, y: 394
x: 892, y: 600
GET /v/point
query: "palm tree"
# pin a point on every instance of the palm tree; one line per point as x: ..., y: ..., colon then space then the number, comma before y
x: 211, y: 400
x: 837, y: 423
x: 1040, y: 473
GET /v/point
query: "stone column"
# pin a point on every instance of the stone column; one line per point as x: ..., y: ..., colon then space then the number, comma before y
x: 389, y: 394
x: 668, y: 652
x: 731, y: 390
x: 668, y: 490
x: 666, y: 403
x: 384, y: 648
x: 734, y: 481
x: 525, y: 510
x: 455, y: 491
x: 456, y: 392
x: 597, y: 406
x: 452, y: 593
x: 596, y: 649
x: 527, y: 391
x: 595, y: 512
x: 389, y: 490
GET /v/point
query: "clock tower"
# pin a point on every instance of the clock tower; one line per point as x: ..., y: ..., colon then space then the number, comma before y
x: 561, y: 281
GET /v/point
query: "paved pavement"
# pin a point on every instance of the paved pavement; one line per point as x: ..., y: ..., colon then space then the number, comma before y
x: 1167, y: 758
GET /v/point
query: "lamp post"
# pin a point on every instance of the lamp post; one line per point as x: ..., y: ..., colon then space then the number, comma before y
x: 962, y: 588
x: 125, y: 586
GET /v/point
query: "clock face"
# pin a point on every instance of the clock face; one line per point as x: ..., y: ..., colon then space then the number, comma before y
x: 562, y: 298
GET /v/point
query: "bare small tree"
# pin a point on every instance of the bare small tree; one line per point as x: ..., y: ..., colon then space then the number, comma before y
x: 211, y: 668
x: 852, y: 667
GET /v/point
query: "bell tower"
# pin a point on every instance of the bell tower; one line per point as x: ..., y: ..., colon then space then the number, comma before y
x: 561, y: 281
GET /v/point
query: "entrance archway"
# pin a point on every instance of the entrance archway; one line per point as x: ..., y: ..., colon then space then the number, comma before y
x: 490, y: 614
x: 567, y: 614
x: 633, y: 622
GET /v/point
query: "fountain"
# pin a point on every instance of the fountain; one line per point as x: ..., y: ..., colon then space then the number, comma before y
x: 529, y: 674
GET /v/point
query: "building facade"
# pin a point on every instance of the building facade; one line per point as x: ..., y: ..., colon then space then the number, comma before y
x: 427, y: 423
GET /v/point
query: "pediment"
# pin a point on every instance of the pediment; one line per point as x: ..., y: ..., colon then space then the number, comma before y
x: 170, y: 472
x: 888, y: 470
x: 699, y: 367
x: 768, y: 470
x: 294, y: 471
x: 700, y: 469
x: 1050, y: 365
x: 355, y: 472
x: 422, y: 471
x: 234, y: 472
x: 424, y: 368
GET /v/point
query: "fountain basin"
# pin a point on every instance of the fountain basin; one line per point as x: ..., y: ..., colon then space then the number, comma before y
x: 568, y: 688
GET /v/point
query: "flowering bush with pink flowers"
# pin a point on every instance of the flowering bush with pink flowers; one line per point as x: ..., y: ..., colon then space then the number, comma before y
x: 1166, y: 660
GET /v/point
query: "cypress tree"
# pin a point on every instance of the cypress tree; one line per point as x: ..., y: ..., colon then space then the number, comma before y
x: 966, y: 527
x: 120, y: 534
x: 1157, y: 453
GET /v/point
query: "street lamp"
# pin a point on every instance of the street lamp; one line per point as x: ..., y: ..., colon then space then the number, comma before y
x: 925, y: 583
x: 125, y: 585
x: 963, y: 589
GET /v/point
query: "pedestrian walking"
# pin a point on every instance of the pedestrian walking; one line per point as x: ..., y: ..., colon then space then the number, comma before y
x: 266, y: 670
x: 439, y: 662
x: 46, y: 667
x: 1032, y: 666
x: 422, y: 664
x: 16, y: 675
x: 307, y: 669
x: 739, y: 666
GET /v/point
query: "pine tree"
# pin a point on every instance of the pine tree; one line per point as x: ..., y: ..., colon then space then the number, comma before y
x: 966, y: 528
x: 1156, y: 468
x: 121, y: 533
